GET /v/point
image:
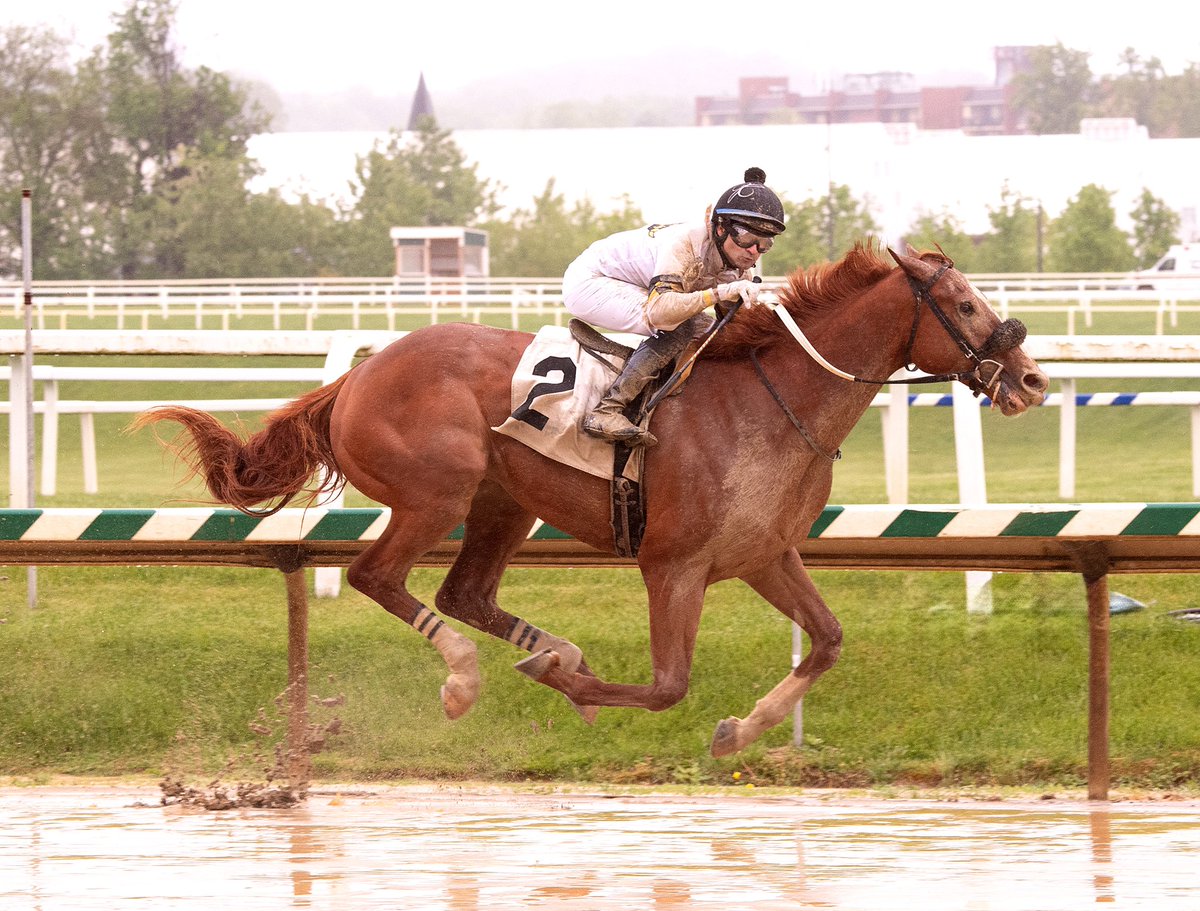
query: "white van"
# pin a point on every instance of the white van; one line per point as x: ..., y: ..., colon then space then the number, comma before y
x: 1179, y: 268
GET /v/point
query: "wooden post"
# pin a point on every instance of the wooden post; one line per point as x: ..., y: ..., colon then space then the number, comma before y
x: 1092, y: 559
x: 1098, y: 690
x: 289, y: 560
x: 298, y: 763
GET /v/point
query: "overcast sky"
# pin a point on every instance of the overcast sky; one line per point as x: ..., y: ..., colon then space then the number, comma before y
x: 385, y: 44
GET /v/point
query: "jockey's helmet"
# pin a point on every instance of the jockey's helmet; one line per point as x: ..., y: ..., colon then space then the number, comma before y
x: 752, y: 204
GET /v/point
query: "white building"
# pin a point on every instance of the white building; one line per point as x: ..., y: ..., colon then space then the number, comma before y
x: 673, y: 173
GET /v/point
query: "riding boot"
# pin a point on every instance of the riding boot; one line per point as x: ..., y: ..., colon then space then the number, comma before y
x: 607, y: 420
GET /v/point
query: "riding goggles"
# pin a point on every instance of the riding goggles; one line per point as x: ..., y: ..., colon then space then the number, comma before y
x: 745, y: 238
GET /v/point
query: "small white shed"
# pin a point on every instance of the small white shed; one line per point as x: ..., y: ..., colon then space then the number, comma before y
x: 440, y: 251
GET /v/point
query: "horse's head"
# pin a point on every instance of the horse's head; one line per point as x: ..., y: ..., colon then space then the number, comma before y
x: 955, y: 330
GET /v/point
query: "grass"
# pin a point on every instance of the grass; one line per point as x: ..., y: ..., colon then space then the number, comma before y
x: 127, y: 670
x: 144, y: 671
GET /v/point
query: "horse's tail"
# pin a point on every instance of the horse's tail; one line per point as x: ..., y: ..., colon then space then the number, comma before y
x: 273, y: 464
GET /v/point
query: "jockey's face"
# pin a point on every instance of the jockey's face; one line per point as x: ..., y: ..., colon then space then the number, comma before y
x: 742, y: 246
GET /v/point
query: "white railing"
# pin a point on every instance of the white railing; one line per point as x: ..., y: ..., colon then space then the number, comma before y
x: 51, y: 404
x: 392, y: 302
x: 1068, y: 400
x: 222, y: 303
x: 1065, y: 358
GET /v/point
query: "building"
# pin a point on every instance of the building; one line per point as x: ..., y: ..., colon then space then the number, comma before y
x: 887, y: 97
x: 442, y: 252
x: 422, y: 105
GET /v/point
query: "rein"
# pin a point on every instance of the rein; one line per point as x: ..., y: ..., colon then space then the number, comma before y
x: 788, y: 411
x: 1009, y: 334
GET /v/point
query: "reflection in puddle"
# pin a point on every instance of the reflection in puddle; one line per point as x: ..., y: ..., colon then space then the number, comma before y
x: 451, y: 850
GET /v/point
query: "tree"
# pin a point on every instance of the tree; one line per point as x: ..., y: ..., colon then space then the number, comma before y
x: 1168, y: 106
x: 46, y: 120
x: 1155, y: 228
x: 1134, y: 93
x: 157, y: 111
x: 819, y: 230
x: 1056, y: 91
x: 417, y: 179
x: 1012, y: 244
x: 138, y: 165
x: 222, y: 230
x: 1085, y: 237
x: 944, y: 230
x: 542, y: 241
x: 1177, y: 111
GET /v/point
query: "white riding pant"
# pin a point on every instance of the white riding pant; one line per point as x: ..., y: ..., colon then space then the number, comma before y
x: 607, y: 303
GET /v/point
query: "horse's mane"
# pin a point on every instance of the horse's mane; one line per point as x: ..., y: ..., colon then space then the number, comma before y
x: 808, y: 293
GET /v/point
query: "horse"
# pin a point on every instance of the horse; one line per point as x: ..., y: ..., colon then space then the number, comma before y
x: 743, y: 469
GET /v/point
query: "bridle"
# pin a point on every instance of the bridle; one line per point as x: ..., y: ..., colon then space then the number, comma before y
x: 1008, y: 335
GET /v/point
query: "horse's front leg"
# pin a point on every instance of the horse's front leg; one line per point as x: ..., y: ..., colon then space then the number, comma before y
x: 676, y: 600
x: 788, y: 587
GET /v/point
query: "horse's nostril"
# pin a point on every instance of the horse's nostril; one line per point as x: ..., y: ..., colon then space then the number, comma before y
x: 1036, y: 382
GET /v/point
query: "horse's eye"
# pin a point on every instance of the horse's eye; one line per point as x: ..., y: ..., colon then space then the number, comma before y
x: 966, y: 308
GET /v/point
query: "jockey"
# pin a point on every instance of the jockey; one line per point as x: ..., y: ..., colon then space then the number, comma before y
x: 657, y: 281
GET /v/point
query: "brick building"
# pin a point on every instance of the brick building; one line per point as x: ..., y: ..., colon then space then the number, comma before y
x: 887, y: 97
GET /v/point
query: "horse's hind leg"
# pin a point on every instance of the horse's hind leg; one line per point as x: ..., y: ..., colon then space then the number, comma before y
x: 676, y: 596
x: 380, y: 573
x: 788, y: 587
x: 495, y: 529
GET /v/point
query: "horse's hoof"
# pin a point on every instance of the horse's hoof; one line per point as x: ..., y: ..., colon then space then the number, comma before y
x: 570, y: 656
x: 587, y: 712
x: 725, y: 738
x: 539, y: 664
x: 458, y: 696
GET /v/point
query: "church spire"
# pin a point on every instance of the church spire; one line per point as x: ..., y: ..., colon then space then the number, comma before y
x: 422, y: 105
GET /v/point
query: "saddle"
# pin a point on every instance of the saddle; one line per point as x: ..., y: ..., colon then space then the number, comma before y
x: 627, y: 496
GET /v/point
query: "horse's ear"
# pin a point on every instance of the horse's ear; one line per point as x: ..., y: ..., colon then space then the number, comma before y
x: 913, y: 265
x: 910, y: 253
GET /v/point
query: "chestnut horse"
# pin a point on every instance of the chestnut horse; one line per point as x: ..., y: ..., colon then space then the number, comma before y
x: 743, y: 469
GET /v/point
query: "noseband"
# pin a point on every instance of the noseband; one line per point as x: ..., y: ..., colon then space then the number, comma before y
x: 1008, y: 335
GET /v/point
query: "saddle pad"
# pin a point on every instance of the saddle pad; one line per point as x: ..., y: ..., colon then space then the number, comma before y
x: 555, y: 384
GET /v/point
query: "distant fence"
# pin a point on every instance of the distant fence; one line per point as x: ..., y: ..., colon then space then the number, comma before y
x: 351, y: 302
x: 1092, y: 540
x: 348, y: 303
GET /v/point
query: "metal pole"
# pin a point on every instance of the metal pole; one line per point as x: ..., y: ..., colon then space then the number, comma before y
x: 27, y: 370
x: 798, y: 711
x: 1041, y: 244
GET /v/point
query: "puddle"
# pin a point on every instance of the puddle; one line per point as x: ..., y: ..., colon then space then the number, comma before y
x: 462, y: 850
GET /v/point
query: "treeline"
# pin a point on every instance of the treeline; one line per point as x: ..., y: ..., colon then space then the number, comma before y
x: 1059, y: 89
x: 139, y: 170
